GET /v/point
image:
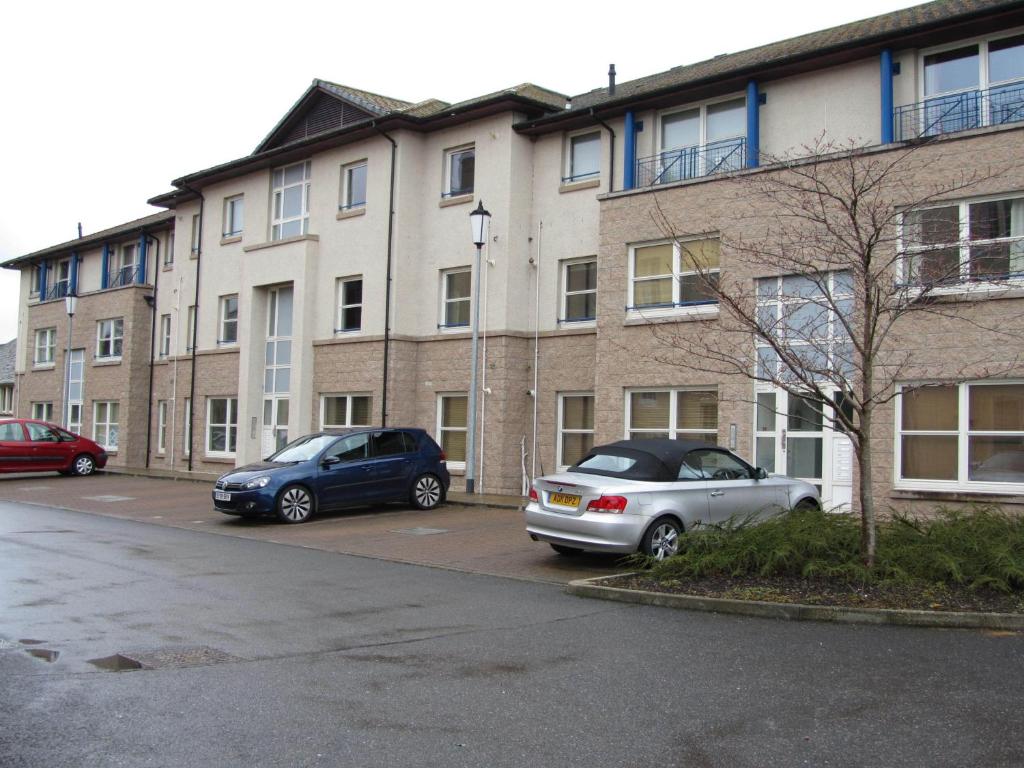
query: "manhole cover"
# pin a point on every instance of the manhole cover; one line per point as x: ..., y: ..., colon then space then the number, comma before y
x: 421, y: 531
x: 164, y: 658
x: 109, y: 498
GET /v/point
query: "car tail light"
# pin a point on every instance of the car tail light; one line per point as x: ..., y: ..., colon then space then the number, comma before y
x: 613, y: 504
x: 533, y: 495
x: 443, y: 456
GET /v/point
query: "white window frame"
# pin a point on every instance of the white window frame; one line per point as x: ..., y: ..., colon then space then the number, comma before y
x: 561, y: 429
x: 234, y: 216
x: 34, y: 280
x: 565, y: 293
x: 568, y: 175
x: 127, y: 259
x: 6, y: 399
x: 442, y: 429
x: 186, y: 428
x: 60, y: 266
x: 169, y: 250
x: 702, y: 108
x: 673, y: 432
x: 445, y: 300
x: 277, y: 191
x: 110, y: 428
x: 161, y: 427
x: 196, y: 236
x: 230, y: 427
x: 114, y: 338
x: 224, y: 321
x: 983, y: 42
x: 347, y: 202
x: 677, y: 308
x: 449, y: 156
x: 339, y: 320
x: 190, y: 325
x: 45, y: 348
x: 963, y: 433
x: 349, y: 396
x: 42, y: 410
x: 164, y: 350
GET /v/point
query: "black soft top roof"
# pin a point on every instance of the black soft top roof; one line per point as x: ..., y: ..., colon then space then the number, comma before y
x: 656, y: 459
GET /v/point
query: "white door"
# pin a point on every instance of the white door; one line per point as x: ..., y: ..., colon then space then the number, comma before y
x: 277, y: 370
x: 76, y: 381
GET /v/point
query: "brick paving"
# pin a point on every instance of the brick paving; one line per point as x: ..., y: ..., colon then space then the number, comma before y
x: 487, y: 538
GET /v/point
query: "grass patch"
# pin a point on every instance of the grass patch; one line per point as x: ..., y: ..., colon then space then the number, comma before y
x: 980, y: 549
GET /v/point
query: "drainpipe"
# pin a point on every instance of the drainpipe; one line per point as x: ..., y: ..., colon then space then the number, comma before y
x: 885, y: 66
x: 195, y: 326
x: 611, y: 160
x: 753, y: 125
x: 152, y: 350
x: 387, y: 295
x: 629, y: 152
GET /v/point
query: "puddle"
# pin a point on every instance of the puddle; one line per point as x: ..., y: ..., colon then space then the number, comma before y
x: 116, y: 663
x: 109, y: 498
x: 421, y: 531
x: 27, y: 641
x: 43, y: 653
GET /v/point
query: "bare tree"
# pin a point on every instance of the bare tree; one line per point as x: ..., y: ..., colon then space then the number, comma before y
x: 848, y: 243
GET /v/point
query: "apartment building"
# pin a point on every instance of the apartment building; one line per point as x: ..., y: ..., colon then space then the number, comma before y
x: 325, y: 279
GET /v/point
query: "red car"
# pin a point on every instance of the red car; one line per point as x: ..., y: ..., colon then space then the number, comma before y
x: 27, y: 445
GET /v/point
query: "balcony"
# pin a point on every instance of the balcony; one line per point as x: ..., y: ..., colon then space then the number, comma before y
x: 960, y: 112
x: 691, y: 162
x: 122, y: 276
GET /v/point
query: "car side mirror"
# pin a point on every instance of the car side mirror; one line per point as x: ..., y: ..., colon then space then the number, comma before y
x: 330, y: 461
x: 760, y: 473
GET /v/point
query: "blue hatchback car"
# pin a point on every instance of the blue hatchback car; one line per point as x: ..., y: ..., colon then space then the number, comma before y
x: 337, y: 469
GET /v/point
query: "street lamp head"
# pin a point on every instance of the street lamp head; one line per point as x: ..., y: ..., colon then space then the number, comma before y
x: 478, y: 220
x: 69, y: 304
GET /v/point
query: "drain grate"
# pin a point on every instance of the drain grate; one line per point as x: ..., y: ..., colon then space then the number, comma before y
x: 164, y: 658
x: 421, y: 531
x: 108, y: 498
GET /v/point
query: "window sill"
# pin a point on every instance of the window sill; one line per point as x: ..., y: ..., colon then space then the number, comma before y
x: 447, y: 202
x: 282, y: 241
x: 43, y: 366
x: 982, y: 492
x: 351, y: 213
x: 344, y: 333
x: 227, y: 345
x: 104, y: 361
x: 229, y: 239
x: 1011, y: 288
x: 168, y: 267
x: 220, y: 458
x: 566, y: 324
x: 575, y: 186
x: 671, y: 314
x: 454, y: 329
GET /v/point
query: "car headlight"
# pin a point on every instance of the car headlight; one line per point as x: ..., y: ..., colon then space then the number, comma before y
x: 256, y: 482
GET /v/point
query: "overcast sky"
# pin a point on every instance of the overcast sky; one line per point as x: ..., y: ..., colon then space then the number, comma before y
x: 106, y: 102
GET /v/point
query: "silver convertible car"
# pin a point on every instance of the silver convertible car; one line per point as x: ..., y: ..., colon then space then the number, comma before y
x: 640, y: 495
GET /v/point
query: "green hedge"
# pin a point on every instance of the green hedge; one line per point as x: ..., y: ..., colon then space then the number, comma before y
x: 981, y: 548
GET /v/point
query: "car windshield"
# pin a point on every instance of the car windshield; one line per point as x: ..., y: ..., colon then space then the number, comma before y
x: 303, y: 449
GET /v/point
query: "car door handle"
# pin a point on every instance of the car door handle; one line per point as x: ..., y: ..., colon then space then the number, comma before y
x: 717, y: 493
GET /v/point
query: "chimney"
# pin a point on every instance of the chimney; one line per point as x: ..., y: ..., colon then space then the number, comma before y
x: 79, y: 230
x: 611, y: 79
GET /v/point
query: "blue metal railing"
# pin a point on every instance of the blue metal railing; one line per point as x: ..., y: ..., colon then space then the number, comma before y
x: 691, y: 162
x: 125, y: 276
x: 960, y: 112
x: 58, y: 290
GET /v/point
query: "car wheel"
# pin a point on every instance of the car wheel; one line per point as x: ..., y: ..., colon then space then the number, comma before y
x: 427, y: 492
x: 566, y: 551
x: 661, y: 539
x: 807, y: 505
x: 295, y: 504
x: 84, y: 464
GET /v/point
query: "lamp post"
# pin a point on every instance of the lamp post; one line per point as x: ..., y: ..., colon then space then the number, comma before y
x: 69, y: 304
x: 478, y: 220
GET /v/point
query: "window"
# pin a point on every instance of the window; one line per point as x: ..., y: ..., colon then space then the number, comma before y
x: 228, y: 319
x: 165, y: 336
x: 161, y: 426
x: 190, y: 327
x: 35, y: 277
x: 350, y: 304
x: 455, y: 301
x: 698, y: 141
x: 968, y: 241
x: 125, y: 265
x: 353, y: 186
x: 234, y: 216
x: 690, y: 414
x: 196, y: 235
x: 579, y: 290
x: 105, y: 423
x: 962, y: 437
x: 109, y: 338
x: 803, y: 313
x: 187, y: 428
x: 221, y: 426
x: 169, y: 251
x: 459, y: 171
x: 338, y: 411
x: 583, y: 158
x: 61, y: 280
x: 46, y: 343
x: 672, y: 275
x: 42, y: 411
x: 6, y: 398
x: 392, y: 443
x: 575, y: 427
x: 452, y: 411
x: 290, y: 200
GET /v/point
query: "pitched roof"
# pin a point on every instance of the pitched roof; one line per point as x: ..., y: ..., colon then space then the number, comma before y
x: 374, y: 102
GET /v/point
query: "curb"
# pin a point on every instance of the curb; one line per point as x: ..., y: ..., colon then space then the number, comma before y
x: 796, y: 611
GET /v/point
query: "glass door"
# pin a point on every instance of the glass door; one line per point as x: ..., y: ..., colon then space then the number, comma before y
x: 76, y: 375
x: 277, y: 370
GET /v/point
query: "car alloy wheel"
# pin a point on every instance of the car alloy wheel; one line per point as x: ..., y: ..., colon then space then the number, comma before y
x: 661, y: 539
x: 295, y: 504
x: 427, y: 492
x: 84, y: 465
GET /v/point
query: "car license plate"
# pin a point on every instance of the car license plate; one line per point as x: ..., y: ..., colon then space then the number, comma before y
x: 222, y: 496
x: 564, y: 499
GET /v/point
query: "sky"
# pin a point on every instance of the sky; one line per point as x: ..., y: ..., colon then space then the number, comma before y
x: 106, y: 102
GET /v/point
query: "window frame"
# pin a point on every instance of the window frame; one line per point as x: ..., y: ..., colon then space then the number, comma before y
x: 35, y: 280
x: 197, y: 227
x: 190, y: 327
x: 223, y: 321
x: 983, y: 43
x: 230, y: 427
x: 277, y: 193
x: 702, y: 110
x: 449, y: 155
x: 444, y: 325
x: 569, y: 177
x: 561, y: 430
x: 161, y: 427
x: 341, y: 306
x: 349, y: 397
x: 106, y: 424
x: 6, y: 399
x: 115, y: 339
x: 42, y: 410
x: 565, y: 293
x: 346, y: 203
x: 234, y: 207
x: 441, y: 429
x: 169, y: 250
x: 673, y: 432
x: 164, y: 350
x: 963, y: 434
x: 49, y: 348
x: 676, y: 307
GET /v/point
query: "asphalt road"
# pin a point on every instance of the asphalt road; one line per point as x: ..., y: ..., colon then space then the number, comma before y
x: 264, y: 654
